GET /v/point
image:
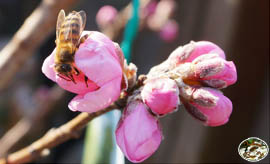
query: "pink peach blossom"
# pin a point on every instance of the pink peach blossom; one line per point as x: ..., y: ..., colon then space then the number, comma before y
x: 161, y: 95
x: 192, y: 50
x: 106, y: 15
x: 96, y: 58
x: 138, y: 134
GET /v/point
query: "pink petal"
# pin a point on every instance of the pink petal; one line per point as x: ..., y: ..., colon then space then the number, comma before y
x: 193, y: 50
x: 97, y: 100
x: 100, y: 40
x: 206, y: 47
x: 48, y: 67
x: 97, y: 61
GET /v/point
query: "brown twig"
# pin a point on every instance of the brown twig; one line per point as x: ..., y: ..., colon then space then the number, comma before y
x: 32, y: 33
x: 54, y: 137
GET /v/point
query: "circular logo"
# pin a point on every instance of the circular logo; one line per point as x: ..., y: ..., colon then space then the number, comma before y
x: 253, y: 149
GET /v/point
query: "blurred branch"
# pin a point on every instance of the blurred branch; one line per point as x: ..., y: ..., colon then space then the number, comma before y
x: 54, y: 137
x: 14, y: 135
x: 27, y: 123
x: 32, y: 33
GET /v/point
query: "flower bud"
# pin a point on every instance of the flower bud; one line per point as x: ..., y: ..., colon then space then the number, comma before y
x: 214, y: 71
x: 106, y: 16
x: 169, y: 31
x: 208, y: 105
x: 97, y: 59
x: 194, y: 49
x: 161, y: 95
x: 138, y: 133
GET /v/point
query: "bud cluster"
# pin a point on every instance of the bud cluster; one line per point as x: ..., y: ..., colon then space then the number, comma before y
x: 191, y: 76
x: 200, y: 70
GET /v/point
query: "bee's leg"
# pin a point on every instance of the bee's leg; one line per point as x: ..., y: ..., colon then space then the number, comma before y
x: 68, y: 78
x: 77, y: 72
x: 82, y: 39
x: 72, y: 79
x: 63, y: 77
x: 85, y: 80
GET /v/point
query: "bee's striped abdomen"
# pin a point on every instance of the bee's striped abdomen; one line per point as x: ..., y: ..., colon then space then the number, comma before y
x: 71, y: 29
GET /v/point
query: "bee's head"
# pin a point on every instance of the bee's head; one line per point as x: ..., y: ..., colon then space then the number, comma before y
x: 63, y: 68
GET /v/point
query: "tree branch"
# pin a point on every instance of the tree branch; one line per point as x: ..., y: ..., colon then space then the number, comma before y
x: 54, y: 137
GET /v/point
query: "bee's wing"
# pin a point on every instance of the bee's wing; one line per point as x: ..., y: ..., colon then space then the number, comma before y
x: 83, y: 19
x: 68, y: 35
x: 68, y: 31
x: 60, y: 21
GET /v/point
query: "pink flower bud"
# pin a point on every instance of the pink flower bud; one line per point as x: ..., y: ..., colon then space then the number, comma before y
x: 138, y: 134
x: 161, y: 95
x: 97, y: 59
x: 106, y: 15
x: 214, y: 71
x: 207, y: 105
x: 194, y: 49
x: 169, y: 31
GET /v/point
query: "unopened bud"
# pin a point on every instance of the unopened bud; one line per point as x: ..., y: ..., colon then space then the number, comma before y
x: 209, y: 106
x: 138, y: 133
x: 214, y: 71
x: 161, y: 95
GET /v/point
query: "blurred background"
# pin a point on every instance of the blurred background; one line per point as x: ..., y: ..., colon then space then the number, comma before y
x: 239, y: 27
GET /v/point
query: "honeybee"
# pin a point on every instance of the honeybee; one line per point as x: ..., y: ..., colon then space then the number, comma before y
x: 68, y: 32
